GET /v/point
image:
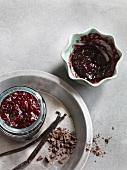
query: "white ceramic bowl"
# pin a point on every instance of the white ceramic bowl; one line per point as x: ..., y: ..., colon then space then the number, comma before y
x: 68, y: 50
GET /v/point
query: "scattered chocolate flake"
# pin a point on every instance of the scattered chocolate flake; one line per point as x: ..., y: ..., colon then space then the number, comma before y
x: 112, y: 128
x: 98, y: 135
x: 58, y: 144
x: 62, y: 143
x: 107, y: 140
x: 39, y: 158
x: 47, y: 158
x: 61, y: 161
x: 52, y: 155
x: 95, y: 148
x: 88, y: 147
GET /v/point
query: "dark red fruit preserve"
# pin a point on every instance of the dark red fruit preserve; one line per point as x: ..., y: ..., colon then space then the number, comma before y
x: 94, y: 57
x: 19, y: 109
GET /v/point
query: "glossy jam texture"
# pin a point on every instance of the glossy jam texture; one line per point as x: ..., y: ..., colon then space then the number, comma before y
x: 93, y: 58
x: 19, y: 109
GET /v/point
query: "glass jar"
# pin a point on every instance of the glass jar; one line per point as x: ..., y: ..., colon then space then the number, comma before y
x: 25, y: 133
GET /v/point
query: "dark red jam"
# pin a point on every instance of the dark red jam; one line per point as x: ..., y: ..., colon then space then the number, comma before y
x: 19, y: 109
x: 93, y: 58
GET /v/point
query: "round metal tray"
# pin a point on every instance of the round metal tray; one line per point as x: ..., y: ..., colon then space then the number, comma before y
x: 59, y: 96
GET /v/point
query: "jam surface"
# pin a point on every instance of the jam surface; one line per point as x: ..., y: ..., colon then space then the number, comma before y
x: 93, y: 58
x: 19, y: 109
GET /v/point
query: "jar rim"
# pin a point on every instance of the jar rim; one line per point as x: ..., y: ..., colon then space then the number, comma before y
x: 5, y: 127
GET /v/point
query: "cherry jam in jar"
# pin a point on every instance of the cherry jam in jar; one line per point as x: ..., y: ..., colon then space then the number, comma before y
x: 22, y: 112
x: 93, y: 58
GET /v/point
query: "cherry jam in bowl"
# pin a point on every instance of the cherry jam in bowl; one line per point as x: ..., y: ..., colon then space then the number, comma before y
x: 91, y: 57
x: 22, y: 113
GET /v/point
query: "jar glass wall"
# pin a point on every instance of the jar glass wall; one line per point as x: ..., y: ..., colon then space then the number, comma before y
x: 12, y: 129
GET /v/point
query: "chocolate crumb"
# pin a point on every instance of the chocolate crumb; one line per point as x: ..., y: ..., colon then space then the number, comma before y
x: 95, y: 148
x: 98, y: 136
x: 47, y: 158
x: 52, y: 155
x: 62, y: 143
x: 112, y: 128
x: 61, y: 161
x: 39, y: 158
x: 94, y: 139
x: 107, y: 140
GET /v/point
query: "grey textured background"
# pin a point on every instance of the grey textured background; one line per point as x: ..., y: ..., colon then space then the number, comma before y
x: 33, y: 34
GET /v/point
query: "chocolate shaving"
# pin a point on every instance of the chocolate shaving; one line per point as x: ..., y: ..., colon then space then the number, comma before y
x: 47, y: 158
x: 61, y: 161
x: 45, y: 137
x: 64, y: 145
x: 95, y: 148
x: 39, y: 158
x: 107, y: 140
x: 52, y: 155
x: 113, y: 128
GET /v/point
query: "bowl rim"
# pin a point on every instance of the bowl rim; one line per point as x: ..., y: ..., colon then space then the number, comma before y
x: 82, y: 79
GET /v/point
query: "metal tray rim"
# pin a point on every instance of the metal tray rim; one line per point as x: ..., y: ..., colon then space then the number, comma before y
x: 62, y: 83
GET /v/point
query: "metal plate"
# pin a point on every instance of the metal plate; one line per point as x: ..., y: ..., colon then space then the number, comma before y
x: 59, y: 96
